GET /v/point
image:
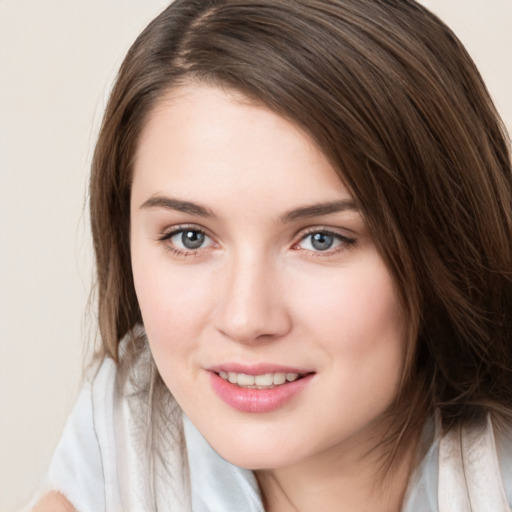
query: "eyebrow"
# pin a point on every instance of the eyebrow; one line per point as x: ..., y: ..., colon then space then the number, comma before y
x: 316, y: 210
x: 169, y: 203
x: 304, y: 212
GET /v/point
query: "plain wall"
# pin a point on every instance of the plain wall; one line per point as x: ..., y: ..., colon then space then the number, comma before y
x: 57, y: 62
x: 58, y: 59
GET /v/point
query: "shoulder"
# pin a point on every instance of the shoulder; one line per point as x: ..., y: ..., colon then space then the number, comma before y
x: 105, y: 457
x: 76, y: 472
x: 474, y: 467
x: 503, y: 434
x: 53, y: 502
x: 467, y: 468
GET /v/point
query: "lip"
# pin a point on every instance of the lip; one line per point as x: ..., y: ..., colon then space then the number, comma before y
x: 257, y: 400
x: 257, y: 369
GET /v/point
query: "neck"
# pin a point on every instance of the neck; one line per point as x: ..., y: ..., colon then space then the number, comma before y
x: 347, y: 477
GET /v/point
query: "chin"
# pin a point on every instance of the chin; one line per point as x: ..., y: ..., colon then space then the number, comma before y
x: 247, y: 454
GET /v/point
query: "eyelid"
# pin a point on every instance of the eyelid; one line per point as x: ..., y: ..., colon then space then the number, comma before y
x: 173, y: 230
x: 338, y: 232
x: 169, y: 233
x: 346, y: 242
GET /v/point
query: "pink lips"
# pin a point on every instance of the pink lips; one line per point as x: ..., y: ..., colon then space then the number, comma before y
x: 257, y: 400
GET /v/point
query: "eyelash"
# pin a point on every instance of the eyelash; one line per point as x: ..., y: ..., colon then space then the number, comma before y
x: 344, y: 242
x: 166, y: 237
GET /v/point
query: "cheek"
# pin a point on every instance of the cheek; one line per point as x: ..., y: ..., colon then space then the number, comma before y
x: 174, y: 302
x: 173, y: 311
x: 355, y: 311
x: 169, y: 308
x: 358, y: 322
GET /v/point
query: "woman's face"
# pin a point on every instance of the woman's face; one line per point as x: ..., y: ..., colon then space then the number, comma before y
x: 270, y: 314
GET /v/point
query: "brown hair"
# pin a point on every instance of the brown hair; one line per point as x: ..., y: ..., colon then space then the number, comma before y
x: 393, y: 99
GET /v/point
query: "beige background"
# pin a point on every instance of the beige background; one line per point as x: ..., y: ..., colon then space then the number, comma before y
x: 57, y: 61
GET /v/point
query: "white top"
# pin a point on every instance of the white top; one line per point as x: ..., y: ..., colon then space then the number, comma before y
x: 101, y: 462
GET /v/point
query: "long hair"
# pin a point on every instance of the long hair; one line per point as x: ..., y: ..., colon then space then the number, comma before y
x: 394, y: 101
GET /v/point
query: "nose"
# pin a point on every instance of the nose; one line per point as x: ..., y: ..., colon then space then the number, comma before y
x: 251, y: 307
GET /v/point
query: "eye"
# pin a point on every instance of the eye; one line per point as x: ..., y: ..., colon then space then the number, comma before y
x: 189, y: 239
x: 324, y: 241
x: 318, y: 241
x: 183, y: 240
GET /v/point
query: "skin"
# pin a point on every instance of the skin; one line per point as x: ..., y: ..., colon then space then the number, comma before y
x: 257, y: 290
x: 53, y: 502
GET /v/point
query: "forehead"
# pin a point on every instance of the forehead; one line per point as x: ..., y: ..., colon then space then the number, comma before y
x: 211, y: 143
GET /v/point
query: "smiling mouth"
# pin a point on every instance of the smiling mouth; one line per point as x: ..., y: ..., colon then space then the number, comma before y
x: 264, y: 381
x: 254, y: 392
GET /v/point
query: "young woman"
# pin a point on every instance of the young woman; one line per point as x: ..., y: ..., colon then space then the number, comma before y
x: 301, y: 214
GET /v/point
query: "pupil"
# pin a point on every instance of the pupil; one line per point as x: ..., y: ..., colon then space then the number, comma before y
x: 192, y: 239
x: 321, y: 241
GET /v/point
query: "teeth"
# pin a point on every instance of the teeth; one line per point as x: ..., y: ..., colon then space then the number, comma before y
x: 264, y: 380
x: 267, y: 380
x: 245, y: 380
x: 279, y: 378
